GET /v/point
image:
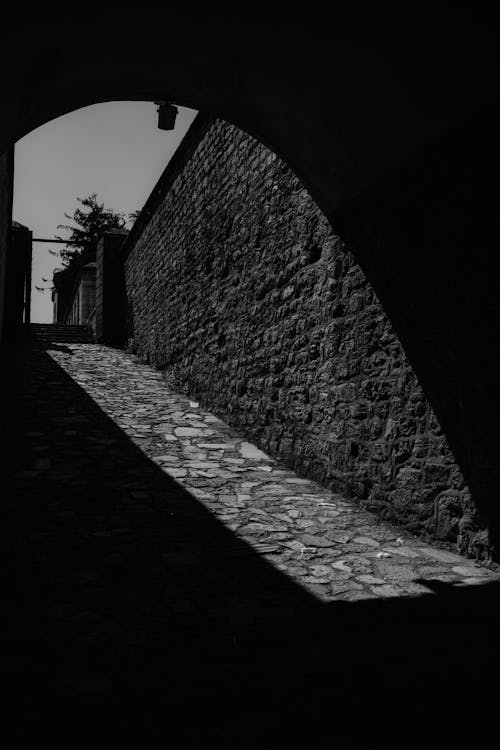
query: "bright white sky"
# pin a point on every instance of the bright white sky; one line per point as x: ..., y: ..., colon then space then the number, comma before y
x: 113, y: 149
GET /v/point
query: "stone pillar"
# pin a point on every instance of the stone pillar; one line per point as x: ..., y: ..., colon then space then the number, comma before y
x: 111, y: 300
x: 18, y: 282
x: 6, y: 191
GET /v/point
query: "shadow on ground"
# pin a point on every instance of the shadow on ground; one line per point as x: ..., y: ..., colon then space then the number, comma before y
x: 132, y: 616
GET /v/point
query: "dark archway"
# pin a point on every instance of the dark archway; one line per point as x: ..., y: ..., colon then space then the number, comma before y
x: 391, y: 128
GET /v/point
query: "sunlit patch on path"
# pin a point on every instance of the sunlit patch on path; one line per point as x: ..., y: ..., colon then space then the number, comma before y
x: 325, y: 543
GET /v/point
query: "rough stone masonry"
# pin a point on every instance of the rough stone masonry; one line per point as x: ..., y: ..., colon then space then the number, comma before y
x: 6, y: 193
x: 238, y: 286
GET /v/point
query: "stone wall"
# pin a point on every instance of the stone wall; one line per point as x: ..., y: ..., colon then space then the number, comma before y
x: 239, y: 287
x: 6, y: 190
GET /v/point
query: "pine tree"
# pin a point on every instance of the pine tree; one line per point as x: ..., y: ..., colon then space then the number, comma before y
x: 91, y: 222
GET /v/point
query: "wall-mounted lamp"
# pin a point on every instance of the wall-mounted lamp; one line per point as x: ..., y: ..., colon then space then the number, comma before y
x: 166, y: 115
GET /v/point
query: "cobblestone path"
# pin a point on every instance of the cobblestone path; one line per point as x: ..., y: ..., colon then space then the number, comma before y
x: 321, y: 541
x: 161, y: 573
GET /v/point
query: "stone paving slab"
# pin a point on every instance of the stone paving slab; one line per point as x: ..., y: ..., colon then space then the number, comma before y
x: 325, y: 543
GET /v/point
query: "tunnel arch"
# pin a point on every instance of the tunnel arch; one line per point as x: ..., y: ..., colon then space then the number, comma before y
x: 338, y: 133
x: 395, y: 155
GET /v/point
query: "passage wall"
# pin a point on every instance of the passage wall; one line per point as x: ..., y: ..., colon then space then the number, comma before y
x: 239, y: 287
x: 6, y: 189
